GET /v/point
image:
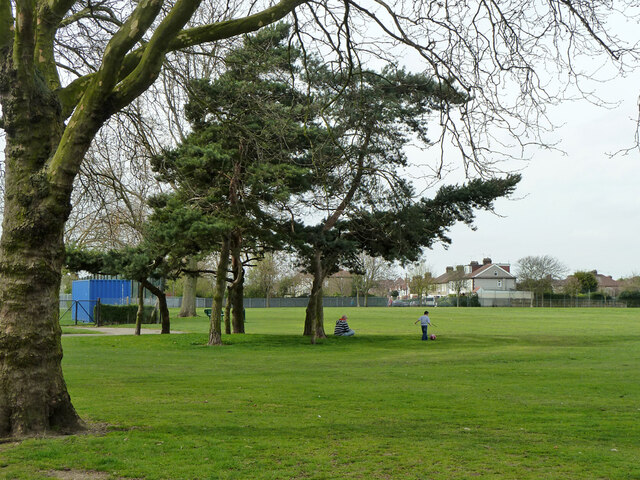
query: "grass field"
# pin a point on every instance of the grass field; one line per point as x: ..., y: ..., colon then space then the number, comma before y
x: 501, y: 394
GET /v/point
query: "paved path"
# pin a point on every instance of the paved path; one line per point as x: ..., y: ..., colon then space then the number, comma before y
x: 111, y: 331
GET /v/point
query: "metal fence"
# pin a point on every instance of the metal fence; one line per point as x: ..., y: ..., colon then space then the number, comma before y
x: 326, y: 302
x: 572, y: 302
x: 67, y: 304
x: 176, y: 302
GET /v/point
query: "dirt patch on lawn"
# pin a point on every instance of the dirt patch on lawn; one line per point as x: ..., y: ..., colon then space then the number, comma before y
x: 83, y: 475
x: 111, y: 331
x: 78, y: 475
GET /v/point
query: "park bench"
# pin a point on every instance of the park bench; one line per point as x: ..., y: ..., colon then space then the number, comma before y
x: 207, y: 312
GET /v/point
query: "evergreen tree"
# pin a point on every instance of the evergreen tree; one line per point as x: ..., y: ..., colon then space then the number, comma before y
x: 247, y: 155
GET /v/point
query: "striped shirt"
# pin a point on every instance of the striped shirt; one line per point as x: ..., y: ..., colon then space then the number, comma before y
x: 342, y: 327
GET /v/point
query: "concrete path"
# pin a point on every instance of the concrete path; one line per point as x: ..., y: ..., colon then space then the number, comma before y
x: 111, y: 331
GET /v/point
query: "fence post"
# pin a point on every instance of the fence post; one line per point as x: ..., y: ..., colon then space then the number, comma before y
x: 97, y: 315
x: 76, y: 316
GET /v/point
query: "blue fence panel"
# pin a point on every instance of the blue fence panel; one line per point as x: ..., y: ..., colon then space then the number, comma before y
x: 85, y: 294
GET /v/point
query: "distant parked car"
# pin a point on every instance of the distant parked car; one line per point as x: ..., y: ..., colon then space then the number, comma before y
x: 430, y: 301
x: 400, y: 303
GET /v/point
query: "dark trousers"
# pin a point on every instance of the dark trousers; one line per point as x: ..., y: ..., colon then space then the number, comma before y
x: 424, y: 332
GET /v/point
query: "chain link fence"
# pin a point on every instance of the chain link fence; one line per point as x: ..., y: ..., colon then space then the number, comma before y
x: 83, y: 310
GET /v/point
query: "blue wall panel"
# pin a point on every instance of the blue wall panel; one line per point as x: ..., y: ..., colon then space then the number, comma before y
x: 85, y: 294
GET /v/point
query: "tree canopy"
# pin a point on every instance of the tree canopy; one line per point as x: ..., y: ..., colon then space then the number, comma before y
x: 537, y: 273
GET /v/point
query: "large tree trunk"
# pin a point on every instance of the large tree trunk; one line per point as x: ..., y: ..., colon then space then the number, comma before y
x: 162, y: 305
x: 33, y: 393
x: 227, y: 311
x: 237, y: 287
x: 215, y: 333
x: 314, y: 318
x: 188, y: 307
x: 238, y: 308
x: 140, y: 313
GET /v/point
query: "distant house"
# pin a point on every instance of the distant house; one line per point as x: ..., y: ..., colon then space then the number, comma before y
x: 449, y: 281
x: 494, y: 283
x: 606, y: 284
x: 491, y: 276
x: 473, y: 277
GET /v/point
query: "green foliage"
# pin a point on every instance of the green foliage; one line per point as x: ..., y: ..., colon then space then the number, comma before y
x: 471, y: 300
x: 123, y: 314
x: 587, y: 281
x: 134, y: 263
x: 632, y: 298
x: 401, y: 235
x: 539, y: 286
x: 375, y: 116
x: 249, y: 149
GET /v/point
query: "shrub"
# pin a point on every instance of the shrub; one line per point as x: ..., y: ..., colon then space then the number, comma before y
x: 465, y: 301
x: 632, y: 299
x: 121, y: 314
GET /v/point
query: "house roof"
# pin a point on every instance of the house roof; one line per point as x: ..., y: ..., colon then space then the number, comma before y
x: 606, y: 281
x: 481, y: 272
x: 445, y: 277
x: 484, y: 272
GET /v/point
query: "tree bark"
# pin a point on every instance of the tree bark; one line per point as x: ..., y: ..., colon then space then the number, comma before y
x: 188, y: 307
x: 238, y: 308
x: 215, y: 333
x: 33, y: 393
x: 162, y: 305
x: 140, y: 313
x: 227, y: 311
x: 237, y: 287
x: 314, y: 319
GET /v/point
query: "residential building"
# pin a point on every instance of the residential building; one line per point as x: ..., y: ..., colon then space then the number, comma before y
x: 606, y: 284
x: 491, y: 276
x: 472, y: 277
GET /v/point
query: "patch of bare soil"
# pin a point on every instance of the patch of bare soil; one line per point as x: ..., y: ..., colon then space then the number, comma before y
x: 83, y: 475
x: 77, y: 475
x: 112, y: 331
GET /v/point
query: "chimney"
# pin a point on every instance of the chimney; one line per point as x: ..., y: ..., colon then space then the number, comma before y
x: 449, y: 269
x: 486, y: 261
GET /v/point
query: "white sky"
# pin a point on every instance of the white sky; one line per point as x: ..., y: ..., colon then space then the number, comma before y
x: 582, y: 207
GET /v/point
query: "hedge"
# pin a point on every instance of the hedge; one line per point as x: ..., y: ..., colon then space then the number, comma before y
x: 631, y: 298
x: 465, y: 301
x: 121, y: 314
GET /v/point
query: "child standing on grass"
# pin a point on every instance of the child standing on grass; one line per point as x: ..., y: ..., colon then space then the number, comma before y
x: 424, y: 323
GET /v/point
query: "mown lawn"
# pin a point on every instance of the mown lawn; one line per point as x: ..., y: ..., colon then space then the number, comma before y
x: 501, y: 394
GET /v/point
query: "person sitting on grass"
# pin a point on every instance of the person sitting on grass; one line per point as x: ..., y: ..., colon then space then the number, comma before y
x: 342, y: 328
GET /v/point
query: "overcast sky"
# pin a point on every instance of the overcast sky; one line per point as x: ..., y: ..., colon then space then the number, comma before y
x: 582, y: 207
